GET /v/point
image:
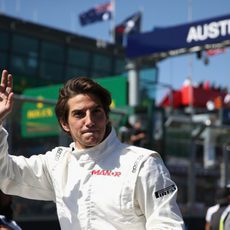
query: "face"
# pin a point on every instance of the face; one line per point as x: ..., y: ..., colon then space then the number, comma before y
x: 86, y: 121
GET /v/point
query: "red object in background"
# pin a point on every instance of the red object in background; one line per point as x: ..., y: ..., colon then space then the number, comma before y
x: 196, y: 96
x: 175, y: 100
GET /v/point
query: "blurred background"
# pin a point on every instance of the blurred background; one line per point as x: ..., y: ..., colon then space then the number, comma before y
x: 166, y: 64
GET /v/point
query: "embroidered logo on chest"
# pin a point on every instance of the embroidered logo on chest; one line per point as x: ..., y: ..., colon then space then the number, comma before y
x: 58, y: 154
x: 136, y: 163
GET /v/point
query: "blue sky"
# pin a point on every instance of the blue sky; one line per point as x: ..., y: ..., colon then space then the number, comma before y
x: 63, y: 14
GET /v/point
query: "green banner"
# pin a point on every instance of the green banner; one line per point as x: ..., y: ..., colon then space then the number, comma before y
x: 39, y: 119
x: 117, y: 86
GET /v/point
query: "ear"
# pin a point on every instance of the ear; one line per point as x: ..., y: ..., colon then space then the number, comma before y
x: 65, y: 126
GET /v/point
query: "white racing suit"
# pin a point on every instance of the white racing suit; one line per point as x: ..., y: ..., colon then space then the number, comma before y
x: 112, y: 186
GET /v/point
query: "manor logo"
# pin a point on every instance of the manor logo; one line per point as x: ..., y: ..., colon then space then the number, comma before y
x: 102, y: 172
x: 210, y: 30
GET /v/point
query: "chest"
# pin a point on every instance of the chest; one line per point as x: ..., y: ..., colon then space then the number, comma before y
x: 98, y: 185
x: 94, y: 193
x: 95, y: 183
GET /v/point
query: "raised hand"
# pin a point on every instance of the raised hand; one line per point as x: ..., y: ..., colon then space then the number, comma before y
x: 6, y: 94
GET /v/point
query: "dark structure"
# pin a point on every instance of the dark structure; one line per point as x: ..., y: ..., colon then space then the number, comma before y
x: 39, y: 55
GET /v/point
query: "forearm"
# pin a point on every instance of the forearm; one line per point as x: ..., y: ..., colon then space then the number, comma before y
x: 3, y: 142
x: 4, y: 157
x: 23, y: 176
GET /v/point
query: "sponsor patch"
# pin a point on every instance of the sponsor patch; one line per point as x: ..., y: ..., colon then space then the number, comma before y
x: 165, y: 191
x: 58, y: 154
x: 136, y: 163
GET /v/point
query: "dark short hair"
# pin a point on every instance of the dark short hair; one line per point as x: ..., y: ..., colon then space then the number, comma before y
x: 80, y: 85
x: 222, y: 195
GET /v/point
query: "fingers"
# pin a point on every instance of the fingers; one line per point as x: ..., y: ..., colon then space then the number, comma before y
x: 6, y: 82
x: 6, y: 95
x: 6, y: 87
x: 9, y: 102
x: 4, y: 79
x: 9, y: 85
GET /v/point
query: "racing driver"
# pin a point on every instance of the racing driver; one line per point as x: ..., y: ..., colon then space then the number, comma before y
x: 97, y: 182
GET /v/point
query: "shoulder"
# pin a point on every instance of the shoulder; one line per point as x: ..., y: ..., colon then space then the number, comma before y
x: 139, y: 157
x: 142, y: 152
x: 149, y: 162
x: 58, y: 153
x: 213, y: 208
x: 226, y: 212
x: 210, y: 211
x: 57, y: 156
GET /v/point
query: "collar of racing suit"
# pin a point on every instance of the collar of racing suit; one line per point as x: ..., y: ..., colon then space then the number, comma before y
x: 97, y: 152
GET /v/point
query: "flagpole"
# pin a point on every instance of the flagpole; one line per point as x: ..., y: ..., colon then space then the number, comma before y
x: 142, y: 13
x: 113, y: 21
x: 18, y: 8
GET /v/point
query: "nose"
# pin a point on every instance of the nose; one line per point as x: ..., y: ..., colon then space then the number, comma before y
x: 89, y: 121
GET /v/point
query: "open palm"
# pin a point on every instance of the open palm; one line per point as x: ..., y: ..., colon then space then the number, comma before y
x: 6, y: 94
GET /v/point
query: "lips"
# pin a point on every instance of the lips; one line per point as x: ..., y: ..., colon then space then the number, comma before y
x: 91, y: 136
x: 89, y: 131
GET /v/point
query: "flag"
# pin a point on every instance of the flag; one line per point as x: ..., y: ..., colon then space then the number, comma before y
x: 215, y: 51
x: 98, y: 13
x: 130, y: 25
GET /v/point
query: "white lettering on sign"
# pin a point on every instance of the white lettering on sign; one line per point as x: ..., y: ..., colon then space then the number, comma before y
x: 208, y: 31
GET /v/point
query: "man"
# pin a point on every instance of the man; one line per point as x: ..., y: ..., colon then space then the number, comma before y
x: 214, y: 213
x: 138, y: 136
x: 97, y: 182
x: 225, y: 216
x: 225, y: 219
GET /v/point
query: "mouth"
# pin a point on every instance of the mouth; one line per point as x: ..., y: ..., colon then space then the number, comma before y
x: 90, y: 131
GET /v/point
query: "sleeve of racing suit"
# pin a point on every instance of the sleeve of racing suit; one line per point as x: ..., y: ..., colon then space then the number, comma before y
x: 156, y: 196
x: 25, y: 177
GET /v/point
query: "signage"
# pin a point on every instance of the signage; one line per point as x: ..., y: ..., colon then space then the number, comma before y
x: 179, y: 38
x: 117, y: 86
x: 39, y: 118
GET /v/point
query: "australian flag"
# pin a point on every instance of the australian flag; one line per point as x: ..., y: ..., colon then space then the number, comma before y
x: 98, y: 13
x: 130, y: 25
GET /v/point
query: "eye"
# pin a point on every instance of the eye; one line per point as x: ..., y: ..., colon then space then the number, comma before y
x: 79, y: 114
x: 98, y: 110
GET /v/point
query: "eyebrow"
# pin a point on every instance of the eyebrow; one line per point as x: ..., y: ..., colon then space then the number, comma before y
x: 94, y: 107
